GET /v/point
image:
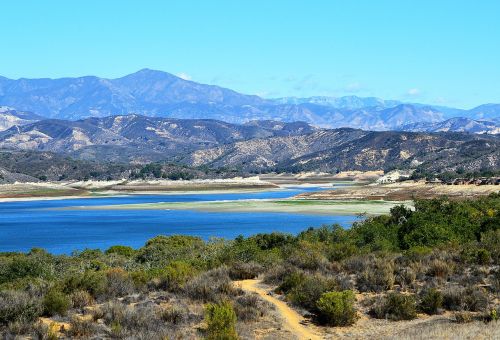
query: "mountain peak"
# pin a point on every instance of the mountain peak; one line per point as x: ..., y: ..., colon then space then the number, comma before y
x: 150, y: 74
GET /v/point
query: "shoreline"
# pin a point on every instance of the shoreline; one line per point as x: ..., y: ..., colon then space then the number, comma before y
x: 20, y: 192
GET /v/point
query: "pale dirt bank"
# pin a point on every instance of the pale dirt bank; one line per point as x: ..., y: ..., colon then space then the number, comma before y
x: 401, y: 191
x: 323, y: 177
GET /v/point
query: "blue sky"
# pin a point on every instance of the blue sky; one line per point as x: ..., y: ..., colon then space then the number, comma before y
x: 438, y: 52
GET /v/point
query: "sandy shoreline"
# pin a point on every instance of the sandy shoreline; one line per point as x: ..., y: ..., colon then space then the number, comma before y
x: 95, y: 189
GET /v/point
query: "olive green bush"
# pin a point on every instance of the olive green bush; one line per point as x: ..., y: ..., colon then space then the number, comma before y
x: 56, y: 303
x: 431, y: 301
x: 310, y: 289
x: 395, y: 306
x: 176, y: 274
x: 337, y: 308
x: 221, y: 321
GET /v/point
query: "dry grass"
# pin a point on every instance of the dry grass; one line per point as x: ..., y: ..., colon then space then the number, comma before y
x: 448, y: 330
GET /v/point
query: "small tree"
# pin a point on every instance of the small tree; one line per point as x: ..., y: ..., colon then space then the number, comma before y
x: 221, y: 321
x: 337, y: 308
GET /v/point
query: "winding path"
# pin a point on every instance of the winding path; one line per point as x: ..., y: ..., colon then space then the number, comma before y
x: 292, y: 321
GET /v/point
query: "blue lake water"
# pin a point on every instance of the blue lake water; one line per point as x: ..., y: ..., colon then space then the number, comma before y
x: 28, y: 224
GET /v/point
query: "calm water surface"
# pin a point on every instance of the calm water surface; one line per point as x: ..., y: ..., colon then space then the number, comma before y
x: 28, y: 224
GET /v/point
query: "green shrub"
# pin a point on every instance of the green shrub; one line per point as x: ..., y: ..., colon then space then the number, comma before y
x: 221, y: 321
x: 431, y: 301
x: 56, y: 302
x: 307, y: 256
x: 176, y: 274
x: 121, y: 250
x: 395, y: 306
x: 483, y: 256
x: 310, y: 290
x: 490, y: 241
x: 337, y: 308
x: 26, y: 266
x: 161, y: 250
x: 140, y: 278
x: 90, y: 281
x: 291, y: 281
x: 18, y: 306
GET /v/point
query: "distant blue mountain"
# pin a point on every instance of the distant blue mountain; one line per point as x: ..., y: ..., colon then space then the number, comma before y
x: 160, y: 94
x: 457, y: 124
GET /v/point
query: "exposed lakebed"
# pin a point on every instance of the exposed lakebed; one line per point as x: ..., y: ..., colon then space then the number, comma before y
x: 64, y: 225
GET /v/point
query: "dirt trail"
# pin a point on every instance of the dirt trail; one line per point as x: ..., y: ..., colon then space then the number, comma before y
x: 292, y: 321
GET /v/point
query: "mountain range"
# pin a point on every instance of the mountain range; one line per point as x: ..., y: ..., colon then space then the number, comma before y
x: 253, y: 146
x: 153, y: 116
x: 160, y: 94
x: 458, y: 124
x: 139, y: 139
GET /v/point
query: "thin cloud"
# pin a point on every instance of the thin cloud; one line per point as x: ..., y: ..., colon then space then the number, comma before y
x: 353, y: 87
x: 413, y: 92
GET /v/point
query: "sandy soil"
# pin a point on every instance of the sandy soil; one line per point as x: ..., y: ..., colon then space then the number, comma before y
x: 401, y: 191
x: 292, y: 321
